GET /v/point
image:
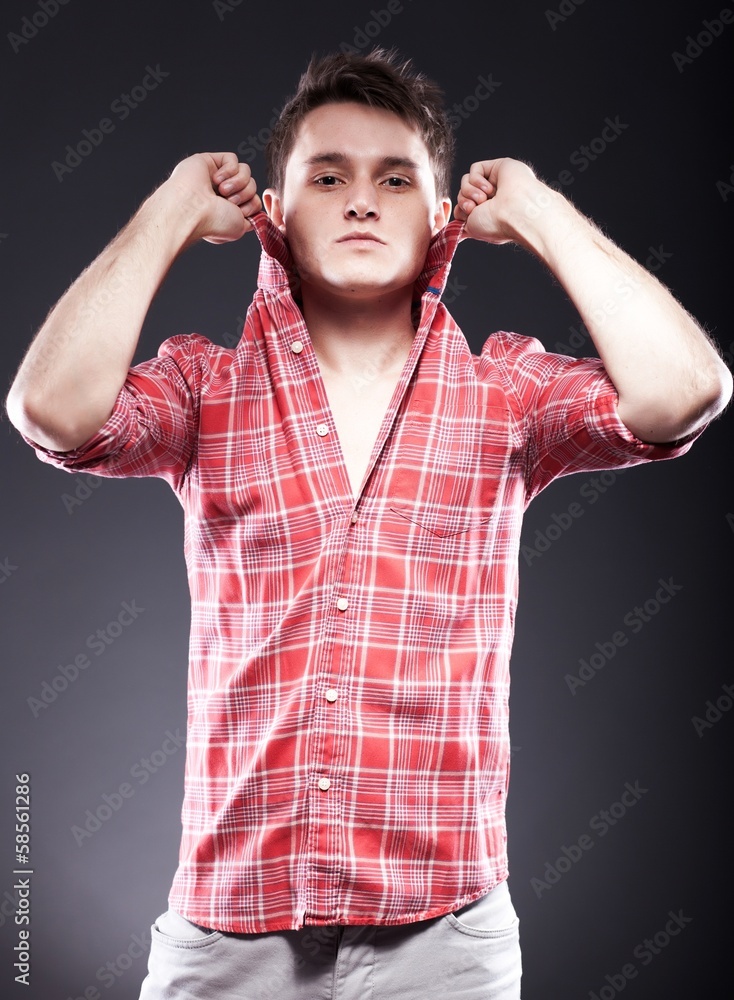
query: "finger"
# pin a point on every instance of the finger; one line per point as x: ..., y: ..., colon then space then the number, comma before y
x: 249, y: 207
x: 475, y: 187
x: 483, y: 188
x: 480, y: 172
x: 226, y: 163
x: 237, y: 182
x: 484, y: 168
x: 459, y: 212
x: 471, y: 195
x: 479, y: 177
x: 241, y: 178
x: 237, y: 191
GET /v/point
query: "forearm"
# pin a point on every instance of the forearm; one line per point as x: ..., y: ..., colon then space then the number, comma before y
x: 66, y: 386
x: 669, y: 377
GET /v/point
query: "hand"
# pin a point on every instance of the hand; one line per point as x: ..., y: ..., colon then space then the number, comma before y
x: 493, y: 196
x: 221, y: 191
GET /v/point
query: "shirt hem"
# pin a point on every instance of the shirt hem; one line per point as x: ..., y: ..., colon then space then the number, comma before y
x: 235, y: 927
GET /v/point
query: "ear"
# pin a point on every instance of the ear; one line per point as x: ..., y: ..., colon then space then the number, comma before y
x: 441, y: 215
x: 274, y: 207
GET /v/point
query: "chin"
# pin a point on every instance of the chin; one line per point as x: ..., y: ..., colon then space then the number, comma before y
x: 358, y: 283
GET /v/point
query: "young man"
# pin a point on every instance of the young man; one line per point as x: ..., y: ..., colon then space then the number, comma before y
x: 353, y: 481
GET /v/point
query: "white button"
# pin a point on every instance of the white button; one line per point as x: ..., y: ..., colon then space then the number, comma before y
x: 322, y: 430
x: 331, y: 695
x: 355, y: 515
x: 324, y: 784
x: 342, y: 604
x: 296, y: 346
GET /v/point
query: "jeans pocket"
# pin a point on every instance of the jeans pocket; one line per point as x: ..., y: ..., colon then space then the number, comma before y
x: 175, y: 930
x: 490, y: 916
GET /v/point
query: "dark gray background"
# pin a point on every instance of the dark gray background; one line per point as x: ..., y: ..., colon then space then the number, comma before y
x: 69, y: 569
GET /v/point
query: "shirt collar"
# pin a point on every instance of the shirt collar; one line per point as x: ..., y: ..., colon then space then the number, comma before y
x: 277, y: 270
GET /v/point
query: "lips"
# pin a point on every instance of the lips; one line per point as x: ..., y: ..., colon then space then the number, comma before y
x: 359, y: 236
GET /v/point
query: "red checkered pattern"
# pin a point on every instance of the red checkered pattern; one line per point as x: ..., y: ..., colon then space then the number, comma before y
x: 348, y: 748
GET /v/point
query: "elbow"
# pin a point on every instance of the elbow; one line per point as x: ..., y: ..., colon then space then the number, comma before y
x: 713, y: 396
x: 18, y: 411
x: 34, y: 421
x: 720, y: 394
x: 676, y: 416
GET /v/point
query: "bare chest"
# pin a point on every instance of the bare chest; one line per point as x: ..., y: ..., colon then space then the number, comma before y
x: 358, y: 414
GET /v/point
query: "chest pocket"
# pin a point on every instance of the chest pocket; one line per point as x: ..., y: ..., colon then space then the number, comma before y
x: 450, y: 466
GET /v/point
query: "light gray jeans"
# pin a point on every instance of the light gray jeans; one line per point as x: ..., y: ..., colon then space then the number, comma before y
x: 472, y: 954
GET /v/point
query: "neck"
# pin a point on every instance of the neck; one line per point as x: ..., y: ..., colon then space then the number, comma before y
x: 366, y: 338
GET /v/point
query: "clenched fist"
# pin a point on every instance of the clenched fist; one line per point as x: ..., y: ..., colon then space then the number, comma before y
x: 497, y: 197
x: 221, y: 192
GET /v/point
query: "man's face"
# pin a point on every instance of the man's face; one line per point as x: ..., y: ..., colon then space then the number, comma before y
x: 356, y: 170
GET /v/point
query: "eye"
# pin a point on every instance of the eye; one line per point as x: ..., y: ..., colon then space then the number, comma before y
x: 397, y: 182
x: 328, y: 181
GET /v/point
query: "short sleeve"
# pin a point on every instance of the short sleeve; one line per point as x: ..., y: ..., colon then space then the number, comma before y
x: 153, y: 426
x: 568, y: 408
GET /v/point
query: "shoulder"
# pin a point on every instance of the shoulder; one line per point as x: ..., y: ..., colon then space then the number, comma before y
x: 197, y: 357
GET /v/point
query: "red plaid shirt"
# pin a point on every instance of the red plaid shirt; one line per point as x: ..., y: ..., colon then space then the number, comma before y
x: 348, y: 748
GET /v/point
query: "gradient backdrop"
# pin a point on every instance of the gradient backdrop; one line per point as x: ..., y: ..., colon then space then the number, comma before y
x: 527, y: 80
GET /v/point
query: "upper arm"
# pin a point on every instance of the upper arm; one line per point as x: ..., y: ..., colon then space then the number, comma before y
x: 152, y: 428
x: 569, y: 412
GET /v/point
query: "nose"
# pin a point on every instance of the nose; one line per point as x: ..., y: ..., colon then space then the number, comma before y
x: 361, y: 201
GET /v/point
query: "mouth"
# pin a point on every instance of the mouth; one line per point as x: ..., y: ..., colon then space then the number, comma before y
x: 360, y: 238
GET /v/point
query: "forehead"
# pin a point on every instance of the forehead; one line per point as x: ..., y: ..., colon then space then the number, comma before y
x: 358, y: 132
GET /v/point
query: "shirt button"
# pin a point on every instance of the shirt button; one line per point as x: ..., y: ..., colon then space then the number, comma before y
x: 296, y: 346
x: 342, y: 604
x: 324, y: 784
x: 331, y: 695
x: 354, y: 517
x: 322, y: 430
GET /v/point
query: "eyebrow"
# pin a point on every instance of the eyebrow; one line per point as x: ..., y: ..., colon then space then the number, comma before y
x: 341, y: 159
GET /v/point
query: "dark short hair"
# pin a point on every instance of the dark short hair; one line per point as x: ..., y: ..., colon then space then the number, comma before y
x: 379, y: 79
